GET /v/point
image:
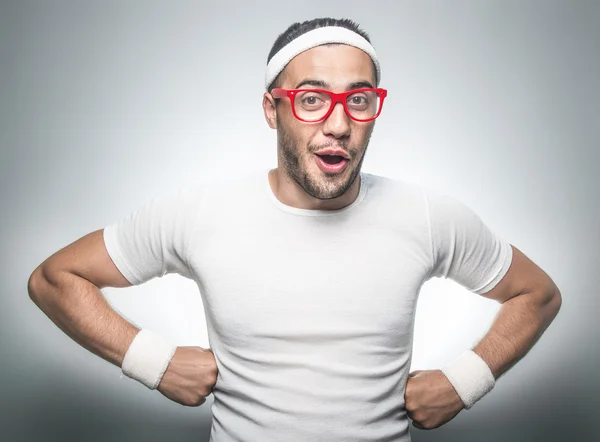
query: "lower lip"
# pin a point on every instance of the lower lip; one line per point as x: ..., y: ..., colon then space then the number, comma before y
x: 331, y: 168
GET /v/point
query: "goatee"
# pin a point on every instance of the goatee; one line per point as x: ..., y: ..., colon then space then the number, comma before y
x: 330, y: 186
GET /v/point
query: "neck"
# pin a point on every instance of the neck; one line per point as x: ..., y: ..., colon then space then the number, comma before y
x: 288, y: 192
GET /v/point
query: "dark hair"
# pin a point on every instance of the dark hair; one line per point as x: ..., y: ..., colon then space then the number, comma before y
x: 297, y: 29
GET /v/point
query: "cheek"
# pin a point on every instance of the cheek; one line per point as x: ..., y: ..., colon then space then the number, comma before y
x: 364, y: 128
x: 363, y: 132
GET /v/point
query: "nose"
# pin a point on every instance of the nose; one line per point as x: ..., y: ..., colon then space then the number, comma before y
x: 337, y: 123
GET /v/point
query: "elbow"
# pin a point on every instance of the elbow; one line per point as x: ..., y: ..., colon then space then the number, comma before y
x: 556, y: 299
x: 38, y: 283
x: 552, y: 303
x: 35, y: 284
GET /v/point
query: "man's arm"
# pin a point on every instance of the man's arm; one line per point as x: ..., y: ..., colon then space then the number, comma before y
x: 530, y: 302
x: 66, y: 287
x: 147, y: 243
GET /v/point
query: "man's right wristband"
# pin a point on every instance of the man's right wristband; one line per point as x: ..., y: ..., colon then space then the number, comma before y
x: 147, y: 358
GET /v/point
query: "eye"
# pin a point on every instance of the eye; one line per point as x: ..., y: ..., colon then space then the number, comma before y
x: 311, y: 100
x: 358, y: 101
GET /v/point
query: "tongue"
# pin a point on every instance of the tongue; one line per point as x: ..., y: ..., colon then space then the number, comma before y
x: 331, y: 159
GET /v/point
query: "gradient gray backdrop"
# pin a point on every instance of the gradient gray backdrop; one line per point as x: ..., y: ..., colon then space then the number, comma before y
x: 107, y: 104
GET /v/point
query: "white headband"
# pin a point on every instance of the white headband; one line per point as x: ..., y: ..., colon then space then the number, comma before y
x: 317, y: 37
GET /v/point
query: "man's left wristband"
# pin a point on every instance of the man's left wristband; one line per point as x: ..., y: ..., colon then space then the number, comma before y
x: 470, y: 376
x: 147, y: 358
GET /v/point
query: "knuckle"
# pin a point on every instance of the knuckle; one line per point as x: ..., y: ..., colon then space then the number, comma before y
x: 210, y: 385
x: 419, y: 418
x: 195, y: 401
x: 428, y: 425
x: 205, y: 390
x: 192, y: 398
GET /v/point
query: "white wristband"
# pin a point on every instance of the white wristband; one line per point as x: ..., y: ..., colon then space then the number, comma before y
x: 470, y: 376
x: 147, y: 358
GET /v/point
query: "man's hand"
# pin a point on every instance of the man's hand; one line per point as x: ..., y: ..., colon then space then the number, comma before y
x: 190, y: 376
x: 430, y: 399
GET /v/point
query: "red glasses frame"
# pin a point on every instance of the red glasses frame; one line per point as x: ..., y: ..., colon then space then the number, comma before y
x: 335, y: 98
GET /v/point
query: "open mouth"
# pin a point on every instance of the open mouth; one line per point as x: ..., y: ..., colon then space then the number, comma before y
x: 331, y: 163
x: 331, y: 159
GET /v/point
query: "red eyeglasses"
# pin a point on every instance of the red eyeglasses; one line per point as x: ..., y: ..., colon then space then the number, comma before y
x: 312, y: 105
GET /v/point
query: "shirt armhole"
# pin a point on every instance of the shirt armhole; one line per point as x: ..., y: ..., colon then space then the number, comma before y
x: 193, y: 233
x: 113, y: 248
x: 429, y: 231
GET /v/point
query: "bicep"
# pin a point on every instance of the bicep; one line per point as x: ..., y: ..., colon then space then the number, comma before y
x: 523, y: 276
x: 87, y: 258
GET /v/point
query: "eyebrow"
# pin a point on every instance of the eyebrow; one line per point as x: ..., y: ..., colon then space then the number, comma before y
x: 325, y: 85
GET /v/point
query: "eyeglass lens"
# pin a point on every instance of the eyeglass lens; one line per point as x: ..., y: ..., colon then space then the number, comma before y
x: 312, y: 106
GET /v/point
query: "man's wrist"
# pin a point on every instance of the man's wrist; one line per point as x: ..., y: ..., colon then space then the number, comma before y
x: 470, y: 376
x: 147, y: 358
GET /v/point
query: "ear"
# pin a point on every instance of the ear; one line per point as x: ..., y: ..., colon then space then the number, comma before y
x: 270, y: 110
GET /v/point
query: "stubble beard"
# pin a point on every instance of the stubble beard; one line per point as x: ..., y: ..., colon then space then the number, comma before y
x: 331, y: 185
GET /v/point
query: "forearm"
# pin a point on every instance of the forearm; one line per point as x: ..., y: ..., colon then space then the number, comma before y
x: 518, y: 325
x: 80, y: 310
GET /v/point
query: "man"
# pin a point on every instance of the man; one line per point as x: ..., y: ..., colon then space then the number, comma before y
x: 309, y: 273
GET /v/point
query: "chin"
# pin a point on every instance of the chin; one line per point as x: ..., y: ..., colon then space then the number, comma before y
x: 326, y: 186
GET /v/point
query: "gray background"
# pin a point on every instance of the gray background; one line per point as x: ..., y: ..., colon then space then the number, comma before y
x: 106, y: 104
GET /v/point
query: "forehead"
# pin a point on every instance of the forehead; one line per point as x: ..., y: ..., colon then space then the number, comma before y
x: 336, y: 64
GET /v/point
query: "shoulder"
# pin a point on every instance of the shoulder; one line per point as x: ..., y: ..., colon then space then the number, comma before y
x: 438, y: 206
x: 444, y: 205
x: 223, y: 195
x: 212, y: 186
x: 391, y: 186
x: 397, y: 203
